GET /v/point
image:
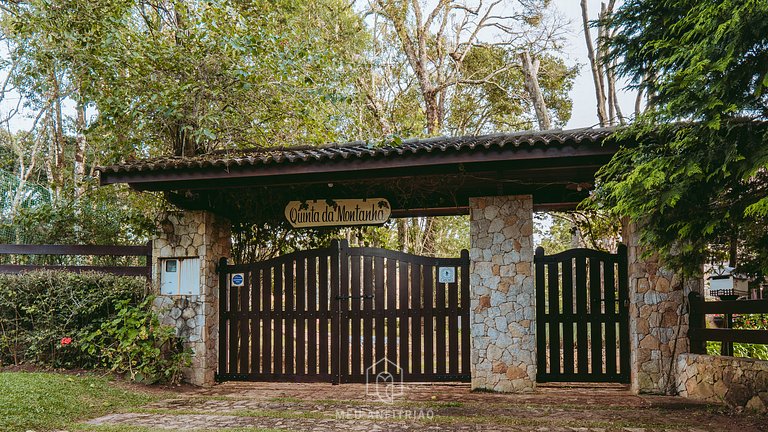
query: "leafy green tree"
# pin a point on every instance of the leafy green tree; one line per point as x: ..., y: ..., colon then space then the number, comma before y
x: 693, y: 170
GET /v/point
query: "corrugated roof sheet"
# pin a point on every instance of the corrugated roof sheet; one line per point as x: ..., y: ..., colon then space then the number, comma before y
x: 362, y: 150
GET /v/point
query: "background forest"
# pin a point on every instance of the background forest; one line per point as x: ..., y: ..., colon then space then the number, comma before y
x: 98, y: 82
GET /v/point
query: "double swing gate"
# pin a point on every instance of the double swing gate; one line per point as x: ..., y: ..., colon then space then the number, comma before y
x: 342, y: 314
x: 582, y: 316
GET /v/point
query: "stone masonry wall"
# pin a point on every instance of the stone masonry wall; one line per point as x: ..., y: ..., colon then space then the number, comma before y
x: 194, y: 234
x: 739, y: 382
x: 502, y: 314
x: 658, y: 319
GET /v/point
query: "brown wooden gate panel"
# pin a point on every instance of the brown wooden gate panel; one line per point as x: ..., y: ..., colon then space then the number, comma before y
x: 334, y: 314
x: 582, y: 316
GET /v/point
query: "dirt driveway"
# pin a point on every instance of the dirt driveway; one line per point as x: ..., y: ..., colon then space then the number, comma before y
x: 323, y: 407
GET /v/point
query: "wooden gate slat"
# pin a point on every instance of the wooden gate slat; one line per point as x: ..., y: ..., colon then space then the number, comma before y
x: 301, y: 314
x: 290, y: 308
x: 312, y: 307
x: 623, y: 311
x: 391, y: 314
x: 339, y: 333
x: 416, y: 350
x: 379, y: 311
x: 402, y: 312
x: 244, y: 325
x: 255, y: 289
x: 323, y: 291
x: 429, y: 328
x: 223, y: 312
x: 582, y: 347
x: 267, y: 290
x: 610, y: 310
x: 553, y: 278
x: 355, y: 315
x: 233, y: 339
x: 367, y: 318
x: 453, y: 324
x: 277, y: 327
x: 595, y: 311
x: 567, y: 289
x: 465, y: 324
x: 541, y: 329
x: 441, y: 352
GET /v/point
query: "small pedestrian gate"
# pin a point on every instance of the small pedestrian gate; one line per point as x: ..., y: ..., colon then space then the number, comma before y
x: 342, y: 314
x: 582, y: 316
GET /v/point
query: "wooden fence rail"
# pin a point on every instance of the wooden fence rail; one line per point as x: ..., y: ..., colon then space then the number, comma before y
x: 80, y: 250
x: 699, y: 334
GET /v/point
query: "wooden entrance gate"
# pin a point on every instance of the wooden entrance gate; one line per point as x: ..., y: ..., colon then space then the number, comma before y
x: 582, y: 316
x: 340, y: 314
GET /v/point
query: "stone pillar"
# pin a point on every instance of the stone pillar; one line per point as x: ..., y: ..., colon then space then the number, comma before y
x: 203, y: 235
x: 658, y: 318
x: 502, y: 314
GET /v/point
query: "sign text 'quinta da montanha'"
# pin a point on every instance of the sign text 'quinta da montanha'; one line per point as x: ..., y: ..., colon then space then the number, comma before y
x: 305, y: 214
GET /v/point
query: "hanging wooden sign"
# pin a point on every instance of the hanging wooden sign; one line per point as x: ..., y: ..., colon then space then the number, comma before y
x: 339, y: 212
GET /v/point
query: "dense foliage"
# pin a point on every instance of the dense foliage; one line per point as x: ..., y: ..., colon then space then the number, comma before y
x: 751, y: 322
x: 103, y: 81
x: 693, y: 171
x: 62, y: 319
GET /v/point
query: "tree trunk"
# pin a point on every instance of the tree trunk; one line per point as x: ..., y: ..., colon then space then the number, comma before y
x: 80, y: 144
x: 402, y: 235
x: 530, y: 73
x: 432, y: 107
x: 593, y: 61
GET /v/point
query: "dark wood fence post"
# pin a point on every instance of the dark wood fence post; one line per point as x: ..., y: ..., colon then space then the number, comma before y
x: 223, y: 273
x: 336, y: 340
x: 541, y: 332
x: 696, y: 321
x: 149, y: 260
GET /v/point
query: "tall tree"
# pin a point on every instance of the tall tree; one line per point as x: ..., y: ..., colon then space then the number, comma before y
x: 603, y: 67
x: 449, y: 48
x: 700, y: 185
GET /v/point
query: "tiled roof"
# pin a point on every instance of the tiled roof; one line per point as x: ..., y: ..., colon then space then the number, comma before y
x: 362, y: 150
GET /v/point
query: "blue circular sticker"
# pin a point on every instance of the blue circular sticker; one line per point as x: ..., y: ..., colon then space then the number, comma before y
x: 237, y: 279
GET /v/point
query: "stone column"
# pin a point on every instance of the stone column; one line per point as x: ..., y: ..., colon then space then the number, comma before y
x: 203, y: 235
x: 502, y: 314
x: 658, y: 318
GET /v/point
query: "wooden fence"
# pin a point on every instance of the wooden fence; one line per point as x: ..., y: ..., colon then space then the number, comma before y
x: 79, y: 250
x: 699, y: 334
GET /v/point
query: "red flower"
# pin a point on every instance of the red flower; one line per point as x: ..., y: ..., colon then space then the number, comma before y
x: 66, y: 341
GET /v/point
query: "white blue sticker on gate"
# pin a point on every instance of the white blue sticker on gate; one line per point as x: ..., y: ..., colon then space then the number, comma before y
x: 238, y: 279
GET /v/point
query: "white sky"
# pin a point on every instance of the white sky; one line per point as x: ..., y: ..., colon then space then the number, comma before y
x: 583, y: 92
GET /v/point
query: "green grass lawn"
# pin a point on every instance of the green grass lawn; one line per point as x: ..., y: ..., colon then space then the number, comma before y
x: 45, y: 401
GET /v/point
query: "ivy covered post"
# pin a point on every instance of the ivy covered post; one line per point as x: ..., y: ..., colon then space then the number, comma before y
x: 191, y: 243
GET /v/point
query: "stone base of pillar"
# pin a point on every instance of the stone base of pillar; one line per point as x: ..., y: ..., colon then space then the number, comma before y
x: 502, y: 314
x: 193, y: 234
x: 658, y: 321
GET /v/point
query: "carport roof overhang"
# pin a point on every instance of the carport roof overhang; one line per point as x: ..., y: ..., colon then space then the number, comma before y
x: 434, y: 176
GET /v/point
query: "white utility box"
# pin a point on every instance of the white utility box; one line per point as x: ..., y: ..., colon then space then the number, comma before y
x: 180, y: 276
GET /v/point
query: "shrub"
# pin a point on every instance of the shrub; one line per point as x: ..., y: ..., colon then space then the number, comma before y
x: 68, y: 320
x: 134, y: 342
x: 38, y: 309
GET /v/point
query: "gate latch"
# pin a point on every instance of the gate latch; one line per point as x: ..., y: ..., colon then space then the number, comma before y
x: 354, y: 297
